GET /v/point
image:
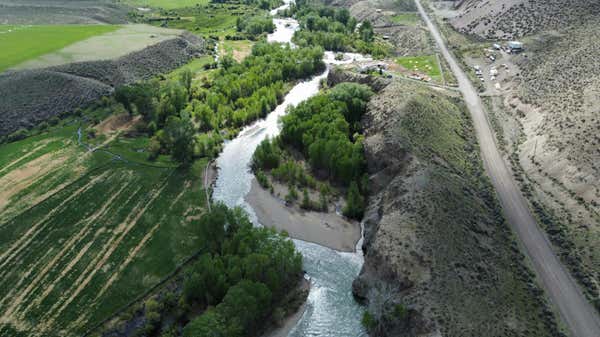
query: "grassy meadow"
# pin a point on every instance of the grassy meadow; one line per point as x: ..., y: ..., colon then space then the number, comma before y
x: 22, y: 43
x: 409, y: 19
x: 427, y: 65
x: 210, y: 20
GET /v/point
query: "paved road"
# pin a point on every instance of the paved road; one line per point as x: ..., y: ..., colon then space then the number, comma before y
x: 578, y: 314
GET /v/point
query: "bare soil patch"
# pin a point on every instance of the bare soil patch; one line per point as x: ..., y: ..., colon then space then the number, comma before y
x: 327, y: 229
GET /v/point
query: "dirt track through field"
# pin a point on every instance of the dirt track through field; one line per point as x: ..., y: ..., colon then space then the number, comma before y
x: 25, y: 156
x: 141, y: 244
x: 35, y: 229
x: 77, y: 239
x: 105, y: 253
x: 19, y: 179
x: 578, y: 314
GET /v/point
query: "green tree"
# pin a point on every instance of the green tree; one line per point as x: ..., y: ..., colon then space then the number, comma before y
x: 366, y: 31
x: 180, y: 133
x: 185, y: 78
x: 355, y: 204
x: 306, y: 203
x: 210, y: 324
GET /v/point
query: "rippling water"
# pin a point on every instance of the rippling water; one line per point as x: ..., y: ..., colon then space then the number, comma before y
x: 331, y: 309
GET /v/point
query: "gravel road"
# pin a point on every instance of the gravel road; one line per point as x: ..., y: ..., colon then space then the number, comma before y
x: 578, y: 314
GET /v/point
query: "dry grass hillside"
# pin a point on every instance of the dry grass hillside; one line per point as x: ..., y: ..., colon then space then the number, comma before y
x: 440, y: 260
x: 507, y: 19
x: 546, y: 116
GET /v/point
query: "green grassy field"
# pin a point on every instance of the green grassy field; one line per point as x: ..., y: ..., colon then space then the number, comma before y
x: 97, y: 231
x: 196, y: 66
x: 166, y: 4
x: 409, y: 19
x: 238, y: 49
x: 215, y: 19
x: 22, y: 43
x: 423, y: 64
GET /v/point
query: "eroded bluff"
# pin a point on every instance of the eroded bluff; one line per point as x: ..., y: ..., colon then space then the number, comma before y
x: 439, y: 258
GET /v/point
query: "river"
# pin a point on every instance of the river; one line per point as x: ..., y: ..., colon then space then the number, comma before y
x: 331, y: 309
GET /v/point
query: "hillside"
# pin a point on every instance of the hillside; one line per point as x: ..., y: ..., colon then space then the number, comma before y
x: 34, y: 96
x: 36, y: 12
x: 439, y: 259
x: 544, y: 107
x: 517, y: 18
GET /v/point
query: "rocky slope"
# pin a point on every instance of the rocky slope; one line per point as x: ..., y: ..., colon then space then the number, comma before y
x: 31, y: 96
x: 439, y: 258
x: 509, y: 19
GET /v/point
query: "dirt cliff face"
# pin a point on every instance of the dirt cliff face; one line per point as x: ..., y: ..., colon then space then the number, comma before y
x: 439, y: 258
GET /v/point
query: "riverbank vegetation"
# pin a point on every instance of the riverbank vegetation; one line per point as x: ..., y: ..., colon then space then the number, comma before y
x: 216, y: 20
x: 187, y: 119
x: 326, y: 130
x: 232, y: 288
x: 335, y: 29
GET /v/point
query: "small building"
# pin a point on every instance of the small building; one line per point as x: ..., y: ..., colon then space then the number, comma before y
x: 515, y: 46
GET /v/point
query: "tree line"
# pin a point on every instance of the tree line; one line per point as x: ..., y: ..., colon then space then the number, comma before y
x: 237, y: 283
x: 335, y: 30
x: 326, y: 130
x: 244, y: 271
x: 237, y: 93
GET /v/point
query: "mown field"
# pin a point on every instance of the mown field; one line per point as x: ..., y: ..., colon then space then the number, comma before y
x: 409, y: 19
x: 423, y: 64
x: 25, y: 42
x: 83, y: 233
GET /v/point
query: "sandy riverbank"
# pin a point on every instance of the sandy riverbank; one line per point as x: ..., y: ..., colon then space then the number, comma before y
x: 327, y: 229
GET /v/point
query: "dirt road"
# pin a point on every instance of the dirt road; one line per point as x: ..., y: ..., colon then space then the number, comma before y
x: 578, y: 314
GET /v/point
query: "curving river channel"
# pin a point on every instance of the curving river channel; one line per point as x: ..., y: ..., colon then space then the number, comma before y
x: 331, y: 309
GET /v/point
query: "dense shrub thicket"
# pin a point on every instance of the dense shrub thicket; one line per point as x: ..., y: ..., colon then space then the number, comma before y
x: 255, y: 25
x: 237, y: 94
x: 326, y: 130
x: 236, y: 284
x: 244, y: 270
x: 335, y: 30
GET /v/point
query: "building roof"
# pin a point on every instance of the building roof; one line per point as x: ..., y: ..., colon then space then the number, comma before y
x: 515, y: 45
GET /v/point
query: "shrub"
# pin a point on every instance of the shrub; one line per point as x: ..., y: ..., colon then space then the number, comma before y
x: 262, y: 179
x: 355, y: 204
x: 18, y: 135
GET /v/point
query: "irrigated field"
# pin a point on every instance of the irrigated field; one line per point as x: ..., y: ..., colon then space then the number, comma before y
x: 22, y: 43
x: 95, y: 232
x: 423, y: 64
x: 108, y: 46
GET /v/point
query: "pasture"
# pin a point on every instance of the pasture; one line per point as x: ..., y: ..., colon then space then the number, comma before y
x: 408, y: 18
x: 210, y: 20
x: 24, y: 42
x: 111, y: 45
x: 97, y: 232
x: 427, y: 65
